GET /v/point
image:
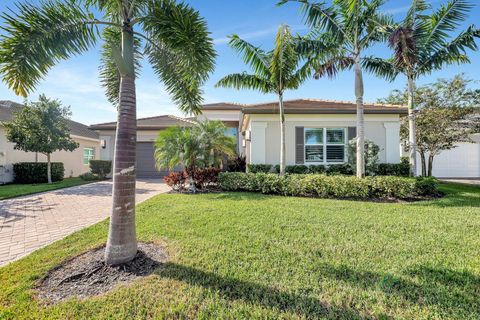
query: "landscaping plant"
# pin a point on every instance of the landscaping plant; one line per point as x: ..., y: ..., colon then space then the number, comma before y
x: 41, y: 127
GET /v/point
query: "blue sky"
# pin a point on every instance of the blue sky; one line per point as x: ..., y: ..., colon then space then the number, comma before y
x: 76, y: 81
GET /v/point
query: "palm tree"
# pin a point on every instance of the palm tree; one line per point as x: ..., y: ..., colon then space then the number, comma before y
x: 422, y: 43
x: 273, y: 72
x: 172, y: 36
x: 205, y: 144
x: 353, y: 25
x: 215, y: 142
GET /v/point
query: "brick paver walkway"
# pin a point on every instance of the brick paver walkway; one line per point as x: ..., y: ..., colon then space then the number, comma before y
x: 31, y: 222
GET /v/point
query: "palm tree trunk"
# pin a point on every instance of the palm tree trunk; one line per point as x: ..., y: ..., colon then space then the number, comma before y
x: 412, y: 139
x: 282, y: 134
x: 49, y: 169
x: 122, y: 242
x: 360, y: 120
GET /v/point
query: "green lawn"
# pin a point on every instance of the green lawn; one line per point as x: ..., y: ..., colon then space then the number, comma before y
x: 242, y: 256
x: 16, y: 190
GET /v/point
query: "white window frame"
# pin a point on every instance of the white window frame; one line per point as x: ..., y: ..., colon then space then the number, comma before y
x: 325, y: 144
x: 91, y: 157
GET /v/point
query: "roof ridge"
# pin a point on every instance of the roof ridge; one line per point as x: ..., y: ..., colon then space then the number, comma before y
x: 329, y: 100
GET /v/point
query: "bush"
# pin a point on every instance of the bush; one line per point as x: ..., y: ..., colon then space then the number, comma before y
x: 36, y: 172
x: 88, y: 176
x: 297, y: 169
x: 323, y: 186
x: 206, y: 177
x: 101, y: 167
x: 176, y: 180
x: 316, y: 169
x: 238, y: 164
x: 370, y: 156
x: 336, y: 169
x: 426, y: 186
x: 256, y: 168
x: 401, y: 169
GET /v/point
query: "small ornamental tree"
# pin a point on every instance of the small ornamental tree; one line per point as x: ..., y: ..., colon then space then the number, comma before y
x: 370, y: 155
x: 41, y: 127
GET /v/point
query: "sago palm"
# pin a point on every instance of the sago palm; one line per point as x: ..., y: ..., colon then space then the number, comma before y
x: 424, y: 42
x: 273, y: 72
x: 171, y: 36
x: 354, y: 26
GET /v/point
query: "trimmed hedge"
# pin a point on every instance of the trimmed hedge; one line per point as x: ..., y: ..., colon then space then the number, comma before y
x: 102, y: 168
x: 401, y: 169
x: 323, y: 186
x: 36, y: 172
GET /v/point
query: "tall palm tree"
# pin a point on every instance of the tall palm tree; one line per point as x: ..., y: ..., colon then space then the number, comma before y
x: 354, y: 25
x: 424, y: 42
x: 172, y: 36
x: 273, y: 72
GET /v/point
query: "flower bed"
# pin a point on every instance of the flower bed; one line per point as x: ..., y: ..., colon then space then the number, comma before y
x: 323, y: 186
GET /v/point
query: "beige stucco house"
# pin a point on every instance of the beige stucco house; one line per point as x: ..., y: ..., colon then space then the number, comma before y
x: 317, y: 131
x: 75, y: 162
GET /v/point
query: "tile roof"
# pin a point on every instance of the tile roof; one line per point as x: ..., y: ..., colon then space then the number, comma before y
x: 8, y: 108
x: 318, y: 106
x: 150, y: 123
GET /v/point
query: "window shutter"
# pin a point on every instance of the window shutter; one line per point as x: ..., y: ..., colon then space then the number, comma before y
x: 299, y: 145
x: 352, y: 133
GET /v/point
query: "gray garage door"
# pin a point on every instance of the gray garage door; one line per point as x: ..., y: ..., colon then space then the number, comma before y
x: 145, y: 161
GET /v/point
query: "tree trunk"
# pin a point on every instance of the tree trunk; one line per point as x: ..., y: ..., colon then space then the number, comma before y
x: 412, y: 139
x: 49, y: 169
x: 360, y: 120
x: 430, y: 164
x: 122, y: 242
x: 282, y: 134
x: 424, y: 164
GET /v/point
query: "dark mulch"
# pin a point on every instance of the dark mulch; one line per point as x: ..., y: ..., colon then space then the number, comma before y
x: 87, y: 275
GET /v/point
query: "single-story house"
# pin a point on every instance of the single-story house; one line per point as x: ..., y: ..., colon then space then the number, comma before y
x: 317, y: 131
x: 75, y: 162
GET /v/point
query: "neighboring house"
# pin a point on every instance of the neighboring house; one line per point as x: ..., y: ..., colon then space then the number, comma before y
x: 317, y: 131
x: 147, y: 132
x: 75, y: 162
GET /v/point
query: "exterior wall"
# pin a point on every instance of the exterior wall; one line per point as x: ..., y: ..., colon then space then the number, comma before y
x: 73, y: 161
x: 382, y: 129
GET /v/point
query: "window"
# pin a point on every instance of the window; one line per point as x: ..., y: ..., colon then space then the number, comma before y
x: 88, y: 154
x: 325, y: 145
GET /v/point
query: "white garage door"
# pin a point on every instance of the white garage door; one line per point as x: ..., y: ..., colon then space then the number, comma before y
x: 460, y: 162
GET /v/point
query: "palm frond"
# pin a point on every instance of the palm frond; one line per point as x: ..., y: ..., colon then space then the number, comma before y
x: 332, y: 66
x: 402, y: 41
x: 284, y: 58
x: 109, y: 74
x: 180, y: 50
x: 443, y: 21
x: 253, y: 56
x: 37, y: 37
x: 452, y: 52
x: 246, y: 81
x: 384, y: 68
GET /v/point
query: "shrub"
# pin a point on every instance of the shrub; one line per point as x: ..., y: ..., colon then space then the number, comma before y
x: 101, y: 167
x: 371, y: 156
x: 176, y: 180
x: 36, y: 172
x: 323, y: 186
x: 297, y: 169
x: 426, y: 186
x: 336, y: 169
x: 88, y: 176
x: 205, y: 177
x: 316, y: 169
x: 256, y: 168
x: 237, y: 164
x: 401, y: 169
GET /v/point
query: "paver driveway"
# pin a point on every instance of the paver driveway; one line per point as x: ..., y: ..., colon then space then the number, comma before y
x: 30, y: 222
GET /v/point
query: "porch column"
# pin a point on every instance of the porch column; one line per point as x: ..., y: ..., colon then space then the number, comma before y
x: 392, y: 142
x: 257, y: 143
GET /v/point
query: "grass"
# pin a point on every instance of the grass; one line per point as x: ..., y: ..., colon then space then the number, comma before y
x: 243, y: 256
x: 16, y: 190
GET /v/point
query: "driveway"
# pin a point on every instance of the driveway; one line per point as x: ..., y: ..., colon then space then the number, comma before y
x: 473, y: 181
x: 30, y: 222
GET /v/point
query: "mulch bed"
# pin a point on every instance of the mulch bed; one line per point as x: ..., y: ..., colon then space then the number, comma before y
x: 87, y: 275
